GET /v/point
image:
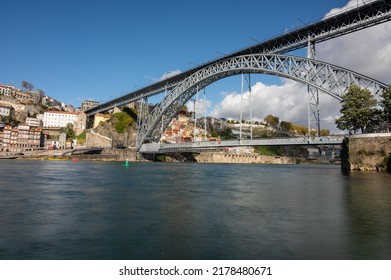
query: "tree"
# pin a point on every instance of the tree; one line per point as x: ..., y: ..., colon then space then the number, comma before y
x: 69, y: 131
x: 287, y: 126
x: 27, y: 86
x: 385, y: 103
x: 272, y: 120
x: 301, y: 130
x: 358, y: 107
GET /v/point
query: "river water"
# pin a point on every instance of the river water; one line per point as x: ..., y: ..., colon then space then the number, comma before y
x: 104, y: 210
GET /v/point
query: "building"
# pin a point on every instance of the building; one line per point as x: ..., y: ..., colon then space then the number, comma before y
x: 62, y: 140
x: 20, y: 139
x: 100, y: 118
x: 33, y: 122
x: 89, y: 104
x: 58, y: 119
x: 81, y: 123
x: 51, y: 102
x: 5, y: 110
x: 23, y: 96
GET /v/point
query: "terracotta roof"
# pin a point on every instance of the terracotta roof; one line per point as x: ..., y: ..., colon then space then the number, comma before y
x: 63, y: 112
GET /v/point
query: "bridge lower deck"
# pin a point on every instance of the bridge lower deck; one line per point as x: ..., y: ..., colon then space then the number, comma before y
x: 208, y: 145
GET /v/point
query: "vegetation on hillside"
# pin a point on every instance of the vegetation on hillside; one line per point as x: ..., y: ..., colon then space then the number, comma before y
x: 81, y: 138
x: 123, y: 120
x: 268, y: 150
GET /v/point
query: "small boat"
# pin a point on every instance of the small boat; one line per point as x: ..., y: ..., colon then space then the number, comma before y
x: 8, y: 157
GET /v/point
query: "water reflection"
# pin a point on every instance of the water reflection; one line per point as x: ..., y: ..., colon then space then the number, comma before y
x: 192, y: 211
x: 368, y: 209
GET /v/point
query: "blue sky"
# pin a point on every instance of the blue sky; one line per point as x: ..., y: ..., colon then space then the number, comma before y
x: 78, y: 50
x: 75, y: 50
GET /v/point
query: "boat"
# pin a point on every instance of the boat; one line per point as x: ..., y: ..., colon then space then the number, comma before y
x: 8, y: 157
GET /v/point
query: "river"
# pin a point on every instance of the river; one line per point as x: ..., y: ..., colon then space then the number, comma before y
x: 105, y: 210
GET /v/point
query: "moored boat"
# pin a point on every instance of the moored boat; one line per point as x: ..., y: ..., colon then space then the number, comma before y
x: 8, y: 157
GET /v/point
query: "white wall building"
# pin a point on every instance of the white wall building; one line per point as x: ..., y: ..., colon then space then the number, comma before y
x: 5, y: 110
x: 88, y: 104
x: 32, y: 122
x: 59, y: 119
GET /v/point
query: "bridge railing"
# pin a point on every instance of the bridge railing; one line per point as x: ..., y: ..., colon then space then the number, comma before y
x: 207, y: 145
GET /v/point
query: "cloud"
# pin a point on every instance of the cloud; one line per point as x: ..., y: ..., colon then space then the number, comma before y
x: 365, y: 51
x: 287, y: 101
x: 169, y: 74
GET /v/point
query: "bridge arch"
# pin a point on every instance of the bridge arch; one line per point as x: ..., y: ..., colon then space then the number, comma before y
x: 329, y: 78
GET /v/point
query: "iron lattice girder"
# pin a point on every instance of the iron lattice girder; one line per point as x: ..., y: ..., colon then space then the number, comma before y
x: 326, y: 77
x: 203, y: 146
x: 345, y: 22
x: 348, y: 21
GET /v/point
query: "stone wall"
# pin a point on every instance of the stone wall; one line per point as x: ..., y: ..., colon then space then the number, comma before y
x: 94, y: 139
x: 243, y: 158
x: 367, y: 152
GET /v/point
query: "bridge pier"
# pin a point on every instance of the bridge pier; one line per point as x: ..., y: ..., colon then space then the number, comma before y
x: 367, y: 152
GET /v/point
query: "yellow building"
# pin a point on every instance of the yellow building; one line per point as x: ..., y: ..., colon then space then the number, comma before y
x: 100, y: 118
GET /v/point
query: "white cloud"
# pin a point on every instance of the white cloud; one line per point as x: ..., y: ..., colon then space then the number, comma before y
x: 202, y: 106
x: 169, y: 74
x: 287, y: 101
x: 365, y: 51
x: 351, y: 4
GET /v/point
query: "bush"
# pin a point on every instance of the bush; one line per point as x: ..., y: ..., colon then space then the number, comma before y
x: 121, y: 121
x: 267, y: 150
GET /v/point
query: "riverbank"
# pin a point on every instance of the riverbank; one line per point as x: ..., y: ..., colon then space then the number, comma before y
x: 106, y: 155
x: 206, y: 157
x: 249, y: 158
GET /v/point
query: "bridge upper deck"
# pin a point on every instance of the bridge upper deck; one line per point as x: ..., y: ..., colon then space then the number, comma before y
x: 363, y: 16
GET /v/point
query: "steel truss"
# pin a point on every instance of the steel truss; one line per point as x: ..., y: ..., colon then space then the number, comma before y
x: 203, y: 146
x: 361, y: 17
x: 323, y: 76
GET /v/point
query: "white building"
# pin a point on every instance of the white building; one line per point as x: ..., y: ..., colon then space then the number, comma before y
x: 59, y: 119
x: 32, y: 122
x: 88, y: 104
x: 5, y: 110
x: 6, y: 90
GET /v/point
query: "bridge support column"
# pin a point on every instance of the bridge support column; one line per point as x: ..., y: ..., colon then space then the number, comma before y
x: 244, y: 99
x: 142, y: 112
x: 90, y: 121
x: 313, y: 94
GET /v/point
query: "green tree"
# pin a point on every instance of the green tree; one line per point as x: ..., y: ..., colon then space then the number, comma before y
x: 358, y: 107
x: 69, y: 131
x: 385, y: 103
x: 324, y: 132
x: 272, y: 120
x: 287, y: 126
x: 301, y: 130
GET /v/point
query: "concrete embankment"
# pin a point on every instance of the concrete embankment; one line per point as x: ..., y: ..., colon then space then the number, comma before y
x: 243, y: 158
x: 367, y: 152
x: 106, y: 155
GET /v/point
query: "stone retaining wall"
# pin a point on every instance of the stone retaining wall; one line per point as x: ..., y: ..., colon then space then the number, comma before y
x: 242, y: 158
x: 366, y: 152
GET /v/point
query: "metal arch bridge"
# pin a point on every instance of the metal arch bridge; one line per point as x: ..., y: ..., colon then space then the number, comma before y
x: 156, y: 148
x: 348, y: 21
x: 326, y: 77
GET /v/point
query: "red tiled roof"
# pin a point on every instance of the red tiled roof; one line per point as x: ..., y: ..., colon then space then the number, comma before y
x: 62, y: 112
